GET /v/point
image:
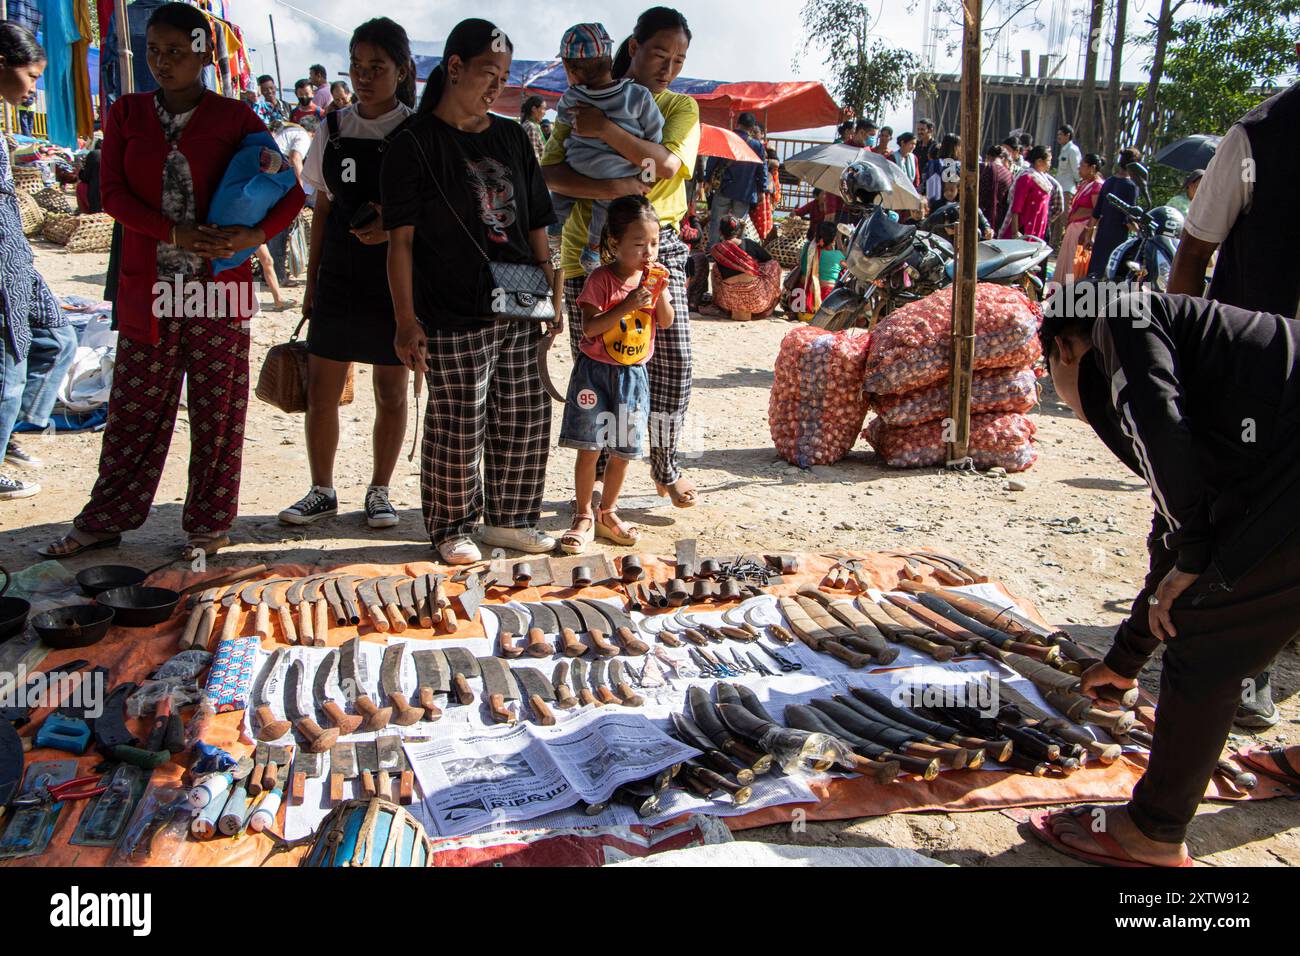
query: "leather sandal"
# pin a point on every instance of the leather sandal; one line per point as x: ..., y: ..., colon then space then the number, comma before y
x: 207, y: 542
x: 69, y: 546
x: 619, y: 532
x: 680, y: 499
x: 576, y: 539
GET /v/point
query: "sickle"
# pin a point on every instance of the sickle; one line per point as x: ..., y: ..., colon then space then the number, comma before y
x: 543, y: 369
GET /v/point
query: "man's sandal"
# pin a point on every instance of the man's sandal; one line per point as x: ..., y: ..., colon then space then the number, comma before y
x: 69, y: 546
x: 681, y: 498
x: 612, y: 528
x: 207, y: 542
x: 1279, y: 763
x: 1112, y: 853
x: 576, y: 539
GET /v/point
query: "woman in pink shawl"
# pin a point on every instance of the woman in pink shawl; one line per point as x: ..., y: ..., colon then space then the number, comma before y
x: 1031, y: 199
x: 1079, y: 223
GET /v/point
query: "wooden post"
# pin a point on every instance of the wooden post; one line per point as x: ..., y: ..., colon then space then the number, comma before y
x: 963, y: 298
x: 279, y: 84
x: 125, y: 64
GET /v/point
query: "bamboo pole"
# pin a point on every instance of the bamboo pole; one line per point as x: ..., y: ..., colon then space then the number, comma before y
x: 963, y: 299
x: 125, y: 65
x: 279, y: 84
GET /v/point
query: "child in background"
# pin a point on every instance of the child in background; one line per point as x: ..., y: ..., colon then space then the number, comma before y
x: 608, y: 404
x: 820, y: 262
x: 587, y: 52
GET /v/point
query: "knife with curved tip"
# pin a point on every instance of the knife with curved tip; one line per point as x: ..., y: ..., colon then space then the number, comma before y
x: 689, y: 733
x: 274, y: 597
x: 406, y: 601
x: 353, y: 679
x: 444, y: 611
x: 371, y: 606
x: 594, y: 624
x: 705, y: 714
x: 464, y: 665
x: 269, y: 726
x: 539, y: 691
x: 420, y: 590
x: 313, y: 593
x: 298, y: 602
x: 251, y: 597
x: 599, y: 684
x: 433, y: 681
x: 500, y: 688
x: 392, y: 610
x: 318, y: 739
x: 564, y: 698
x: 345, y: 589
x: 620, y: 625
x: 578, y: 677
x: 346, y: 723
x: 543, y: 621
x: 510, y: 625
x: 569, y: 626
x: 618, y: 678
x: 390, y: 682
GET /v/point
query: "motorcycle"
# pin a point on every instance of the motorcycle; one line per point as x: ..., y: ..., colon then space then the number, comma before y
x: 1147, y: 257
x: 890, y: 264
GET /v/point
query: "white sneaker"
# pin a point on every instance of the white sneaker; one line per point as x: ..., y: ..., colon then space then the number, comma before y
x: 12, y: 488
x: 460, y: 550
x: 527, y: 540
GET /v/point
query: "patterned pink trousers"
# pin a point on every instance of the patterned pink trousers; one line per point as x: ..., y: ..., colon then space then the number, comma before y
x: 213, y: 353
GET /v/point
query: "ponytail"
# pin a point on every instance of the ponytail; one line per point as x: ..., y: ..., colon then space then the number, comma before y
x: 18, y: 45
x: 467, y: 39
x: 433, y: 87
x: 652, y: 21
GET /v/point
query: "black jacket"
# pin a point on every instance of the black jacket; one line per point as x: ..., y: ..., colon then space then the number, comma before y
x: 1207, y: 398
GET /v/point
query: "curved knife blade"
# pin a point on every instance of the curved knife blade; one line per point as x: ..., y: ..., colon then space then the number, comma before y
x: 599, y: 683
x: 318, y: 740
x: 433, y: 681
x: 619, y: 624
x: 569, y: 626
x: 539, y: 692
x: 269, y: 727
x: 543, y: 622
x: 499, y: 688
x: 594, y: 623
x: 353, y: 679
x: 511, y: 625
x: 390, y: 681
x: 346, y: 723
x: 578, y: 677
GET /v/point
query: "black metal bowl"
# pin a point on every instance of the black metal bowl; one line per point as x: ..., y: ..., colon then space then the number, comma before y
x: 139, y: 606
x: 77, y: 625
x: 95, y: 581
x: 13, y: 615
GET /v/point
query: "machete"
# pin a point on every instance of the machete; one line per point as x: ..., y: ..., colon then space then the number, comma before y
x: 463, y: 666
x: 368, y: 593
x: 594, y: 624
x: 346, y: 723
x: 578, y: 677
x: 543, y: 622
x: 269, y: 727
x: 345, y: 587
x: 472, y: 597
x: 318, y: 739
x: 570, y: 625
x: 420, y: 589
x: 390, y: 682
x: 500, y: 688
x: 304, y: 608
x: 621, y: 625
x: 510, y: 624
x: 599, y: 683
x: 392, y: 609
x: 618, y: 678
x: 353, y: 679
x: 564, y: 698
x: 432, y: 681
x: 406, y: 601
x: 274, y: 597
x: 539, y: 691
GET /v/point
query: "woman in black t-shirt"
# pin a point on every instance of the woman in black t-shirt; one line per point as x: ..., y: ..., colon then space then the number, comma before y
x: 461, y: 186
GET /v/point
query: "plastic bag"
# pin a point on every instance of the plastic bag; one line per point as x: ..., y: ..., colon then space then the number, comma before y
x: 912, y: 347
x: 1003, y: 440
x: 993, y: 390
x: 186, y: 665
x: 817, y: 406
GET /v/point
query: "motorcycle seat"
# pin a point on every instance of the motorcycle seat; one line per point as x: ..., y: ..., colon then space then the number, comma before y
x: 1003, y: 258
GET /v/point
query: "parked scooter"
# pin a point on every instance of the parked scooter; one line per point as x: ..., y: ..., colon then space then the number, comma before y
x: 1147, y: 257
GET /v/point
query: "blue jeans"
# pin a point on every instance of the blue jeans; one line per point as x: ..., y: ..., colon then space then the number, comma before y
x: 278, y: 246
x: 720, y: 208
x: 608, y: 408
x: 13, y: 381
x: 48, y: 361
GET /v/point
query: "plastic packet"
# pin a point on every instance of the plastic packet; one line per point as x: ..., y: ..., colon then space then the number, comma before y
x: 186, y: 665
x: 803, y: 751
x: 144, y: 701
x: 157, y: 831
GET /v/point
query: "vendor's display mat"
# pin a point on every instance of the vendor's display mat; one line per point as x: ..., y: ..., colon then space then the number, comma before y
x: 563, y: 835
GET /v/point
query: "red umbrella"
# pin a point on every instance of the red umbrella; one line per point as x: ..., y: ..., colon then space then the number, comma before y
x: 716, y: 141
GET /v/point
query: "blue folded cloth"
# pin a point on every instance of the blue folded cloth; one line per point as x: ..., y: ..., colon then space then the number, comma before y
x: 248, y: 190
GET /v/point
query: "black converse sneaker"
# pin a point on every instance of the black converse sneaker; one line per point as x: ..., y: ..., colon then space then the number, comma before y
x: 11, y: 488
x: 379, y: 511
x: 316, y: 504
x: 15, y: 455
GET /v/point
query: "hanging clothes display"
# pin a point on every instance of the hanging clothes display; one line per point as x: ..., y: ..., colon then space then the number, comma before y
x: 110, y: 79
x: 83, y: 106
x: 59, y: 33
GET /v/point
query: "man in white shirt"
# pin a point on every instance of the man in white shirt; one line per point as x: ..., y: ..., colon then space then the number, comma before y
x: 294, y: 142
x: 1067, y: 174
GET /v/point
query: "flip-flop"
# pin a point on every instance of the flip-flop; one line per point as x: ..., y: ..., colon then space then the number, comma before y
x: 208, y: 544
x: 1115, y: 855
x: 1278, y: 767
x: 49, y: 552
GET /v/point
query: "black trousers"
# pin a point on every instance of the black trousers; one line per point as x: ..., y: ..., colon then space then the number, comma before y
x: 1224, y: 639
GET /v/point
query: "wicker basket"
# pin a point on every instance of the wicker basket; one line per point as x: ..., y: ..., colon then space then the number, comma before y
x: 33, y: 215
x: 59, y: 228
x: 53, y: 200
x: 28, y: 178
x: 94, y: 233
x: 283, y: 379
x: 787, y: 242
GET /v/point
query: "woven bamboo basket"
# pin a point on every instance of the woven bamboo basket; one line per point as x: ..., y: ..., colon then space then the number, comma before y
x: 53, y: 200
x: 59, y: 228
x: 94, y: 233
x: 787, y: 242
x: 33, y: 215
x: 28, y: 178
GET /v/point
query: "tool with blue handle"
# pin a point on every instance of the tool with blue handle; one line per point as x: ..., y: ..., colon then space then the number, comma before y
x: 62, y: 732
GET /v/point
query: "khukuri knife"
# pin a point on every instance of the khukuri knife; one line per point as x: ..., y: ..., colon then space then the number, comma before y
x: 539, y: 691
x: 510, y: 625
x: 500, y: 688
x: 317, y: 738
x: 390, y: 681
x: 354, y: 679
x: 560, y: 681
x: 543, y: 622
x: 269, y: 728
x: 569, y: 627
x: 345, y: 722
x: 621, y: 625
x: 594, y: 624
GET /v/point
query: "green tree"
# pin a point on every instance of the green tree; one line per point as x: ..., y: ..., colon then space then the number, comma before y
x: 867, y: 75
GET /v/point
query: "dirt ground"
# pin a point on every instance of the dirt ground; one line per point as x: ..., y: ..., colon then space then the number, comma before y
x: 1073, y: 542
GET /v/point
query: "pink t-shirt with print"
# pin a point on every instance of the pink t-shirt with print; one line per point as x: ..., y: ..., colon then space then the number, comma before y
x: 631, y: 342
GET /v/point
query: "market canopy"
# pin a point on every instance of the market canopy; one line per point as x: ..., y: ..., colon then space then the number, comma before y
x: 778, y: 106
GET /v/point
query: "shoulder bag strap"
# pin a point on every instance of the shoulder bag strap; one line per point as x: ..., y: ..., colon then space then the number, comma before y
x: 424, y: 159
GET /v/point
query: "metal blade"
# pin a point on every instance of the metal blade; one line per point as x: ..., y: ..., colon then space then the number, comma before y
x: 432, y: 671
x: 543, y: 618
x: 598, y: 667
x: 390, y: 670
x: 320, y: 684
x: 690, y: 733
x: 617, y: 672
x: 614, y: 616
x: 592, y: 619
x: 292, y: 689
x: 510, y: 620
x: 533, y: 682
x: 351, y: 671
x: 462, y: 662
x: 343, y: 760
x: 261, y: 690
x: 498, y: 678
x: 566, y: 616
x: 389, y: 752
x: 472, y: 597
x: 578, y: 676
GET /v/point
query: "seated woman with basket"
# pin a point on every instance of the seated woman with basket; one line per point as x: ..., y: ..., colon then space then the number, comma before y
x: 746, y: 279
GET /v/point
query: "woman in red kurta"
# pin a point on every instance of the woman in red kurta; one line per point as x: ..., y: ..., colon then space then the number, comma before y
x: 164, y: 155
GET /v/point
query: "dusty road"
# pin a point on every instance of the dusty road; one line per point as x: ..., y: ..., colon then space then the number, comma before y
x: 1073, y: 542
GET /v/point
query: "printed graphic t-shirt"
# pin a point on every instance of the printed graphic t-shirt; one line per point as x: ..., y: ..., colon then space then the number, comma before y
x: 632, y: 341
x: 492, y: 183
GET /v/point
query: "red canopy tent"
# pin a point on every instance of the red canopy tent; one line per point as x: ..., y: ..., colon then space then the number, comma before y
x: 779, y: 107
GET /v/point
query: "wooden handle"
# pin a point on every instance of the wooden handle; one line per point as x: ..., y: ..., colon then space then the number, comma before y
x: 571, y: 645
x: 542, y: 712
x: 603, y: 647
x: 883, y: 771
x: 321, y: 627
x: 203, y: 633
x: 368, y: 783
x: 336, y: 788
x: 318, y: 739
x: 739, y: 794
x: 926, y: 769
x: 376, y: 718
x: 695, y: 637
x: 780, y: 633
x: 396, y: 619
x: 564, y: 698
x: 346, y: 723
x: 449, y: 621
x: 737, y: 634
x: 1115, y: 721
x: 940, y: 652
x: 632, y: 644
x: 587, y: 697
x: 842, y: 653
x: 306, y: 628
x: 297, y: 788
x: 605, y: 695
x: 627, y: 697
x: 668, y: 639
x: 464, y: 693
x: 538, y: 645
x: 430, y: 704
x: 497, y: 707
x: 377, y: 618
x: 406, y: 788
x: 270, y: 775
x: 403, y: 713
x: 192, y: 626
x: 384, y: 785
x: 254, y: 779
x: 287, y: 630
x: 509, y: 648
x: 231, y: 624
x: 262, y: 621
x: 268, y: 727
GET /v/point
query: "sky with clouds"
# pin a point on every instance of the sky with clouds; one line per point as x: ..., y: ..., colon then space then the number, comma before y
x: 733, y: 39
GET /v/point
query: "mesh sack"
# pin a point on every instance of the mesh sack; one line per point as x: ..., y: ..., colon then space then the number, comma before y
x: 998, y: 440
x: 993, y: 390
x: 817, y: 406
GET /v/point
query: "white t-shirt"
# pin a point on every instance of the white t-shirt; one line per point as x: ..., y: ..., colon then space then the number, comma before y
x: 1225, y: 191
x: 352, y: 125
x: 1067, y: 167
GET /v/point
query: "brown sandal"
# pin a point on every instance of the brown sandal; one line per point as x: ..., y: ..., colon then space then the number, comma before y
x: 680, y: 499
x: 69, y: 546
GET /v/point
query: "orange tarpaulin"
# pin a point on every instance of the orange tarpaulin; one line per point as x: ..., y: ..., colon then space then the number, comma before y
x: 779, y: 107
x: 132, y: 653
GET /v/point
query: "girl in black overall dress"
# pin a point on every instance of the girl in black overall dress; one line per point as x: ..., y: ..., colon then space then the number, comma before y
x: 347, y: 301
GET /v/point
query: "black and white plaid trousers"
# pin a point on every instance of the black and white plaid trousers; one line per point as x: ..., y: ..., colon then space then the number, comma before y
x: 486, y: 405
x: 669, y: 369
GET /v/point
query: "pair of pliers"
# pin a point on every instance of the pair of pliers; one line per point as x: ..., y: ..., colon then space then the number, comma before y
x: 79, y: 789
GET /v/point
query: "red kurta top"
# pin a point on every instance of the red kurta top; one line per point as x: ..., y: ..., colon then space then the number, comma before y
x: 131, y: 179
